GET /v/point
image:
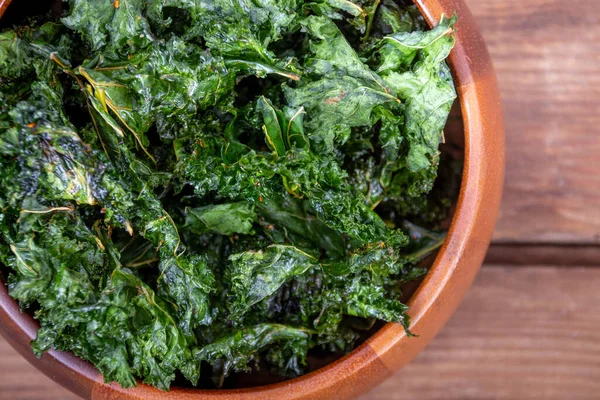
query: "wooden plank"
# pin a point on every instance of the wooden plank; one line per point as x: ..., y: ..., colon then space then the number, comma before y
x: 21, y: 381
x: 543, y: 254
x: 521, y: 333
x: 546, y: 54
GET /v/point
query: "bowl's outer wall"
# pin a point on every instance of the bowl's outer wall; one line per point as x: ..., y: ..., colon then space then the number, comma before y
x: 432, y: 304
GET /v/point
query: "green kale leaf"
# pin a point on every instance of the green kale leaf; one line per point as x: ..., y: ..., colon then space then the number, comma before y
x: 192, y: 185
x: 225, y: 219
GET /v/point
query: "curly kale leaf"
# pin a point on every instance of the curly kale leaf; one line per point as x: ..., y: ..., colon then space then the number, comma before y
x: 116, y: 27
x: 393, y: 18
x: 46, y: 145
x: 344, y: 92
x: 225, y: 219
x: 253, y: 276
x: 286, y: 347
x: 191, y: 182
x: 427, y: 88
x: 286, y: 284
x: 320, y: 179
x: 292, y: 220
x: 89, y: 304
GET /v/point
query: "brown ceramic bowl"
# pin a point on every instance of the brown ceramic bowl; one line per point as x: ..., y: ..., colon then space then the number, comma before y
x: 431, y: 305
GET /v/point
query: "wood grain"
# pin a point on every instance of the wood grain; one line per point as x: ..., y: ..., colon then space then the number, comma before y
x: 21, y: 381
x: 521, y: 333
x: 547, y: 56
x: 518, y: 254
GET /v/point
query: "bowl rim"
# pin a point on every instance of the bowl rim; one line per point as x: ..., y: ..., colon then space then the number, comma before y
x: 433, y: 303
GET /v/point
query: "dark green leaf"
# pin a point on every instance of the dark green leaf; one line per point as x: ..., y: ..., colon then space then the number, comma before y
x: 227, y: 182
x: 225, y: 219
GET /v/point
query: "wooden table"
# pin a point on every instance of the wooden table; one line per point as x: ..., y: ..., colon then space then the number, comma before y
x: 530, y: 326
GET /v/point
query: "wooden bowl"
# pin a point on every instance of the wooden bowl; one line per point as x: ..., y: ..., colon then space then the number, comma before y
x: 431, y: 305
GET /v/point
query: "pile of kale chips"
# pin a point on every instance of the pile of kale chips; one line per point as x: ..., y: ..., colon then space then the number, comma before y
x: 224, y: 182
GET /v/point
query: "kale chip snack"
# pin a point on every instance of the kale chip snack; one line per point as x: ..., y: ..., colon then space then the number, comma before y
x: 224, y: 183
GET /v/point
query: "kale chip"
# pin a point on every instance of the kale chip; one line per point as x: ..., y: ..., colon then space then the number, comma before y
x: 223, y: 182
